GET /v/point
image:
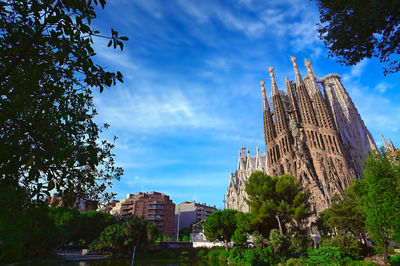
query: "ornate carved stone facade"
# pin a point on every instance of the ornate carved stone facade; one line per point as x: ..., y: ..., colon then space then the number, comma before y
x: 319, y: 139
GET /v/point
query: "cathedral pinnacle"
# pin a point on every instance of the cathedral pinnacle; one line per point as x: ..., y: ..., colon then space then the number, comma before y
x: 310, y: 72
x: 273, y: 82
x: 296, y: 70
x: 265, y: 101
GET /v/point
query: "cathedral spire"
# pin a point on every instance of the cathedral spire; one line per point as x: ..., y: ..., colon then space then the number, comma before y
x: 313, y: 84
x: 291, y: 98
x: 384, y: 141
x: 299, y: 80
x: 273, y: 82
x: 264, y: 95
x: 305, y: 103
x: 269, y: 129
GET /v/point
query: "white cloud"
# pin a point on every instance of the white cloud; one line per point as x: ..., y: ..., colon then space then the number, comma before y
x: 154, y: 110
x: 356, y: 71
x: 382, y: 87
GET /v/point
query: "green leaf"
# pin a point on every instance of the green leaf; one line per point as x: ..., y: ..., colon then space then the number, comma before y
x: 51, y: 185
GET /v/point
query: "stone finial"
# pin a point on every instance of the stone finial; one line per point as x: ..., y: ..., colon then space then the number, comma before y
x: 273, y: 82
x: 293, y: 59
x: 307, y: 64
x: 258, y: 150
x: 271, y: 73
x: 262, y: 83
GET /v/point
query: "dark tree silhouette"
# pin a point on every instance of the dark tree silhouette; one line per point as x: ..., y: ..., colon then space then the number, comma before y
x: 358, y: 29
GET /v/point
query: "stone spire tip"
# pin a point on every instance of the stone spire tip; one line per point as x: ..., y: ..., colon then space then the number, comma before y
x: 274, y: 86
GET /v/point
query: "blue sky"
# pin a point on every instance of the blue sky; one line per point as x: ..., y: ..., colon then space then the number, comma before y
x: 191, y: 96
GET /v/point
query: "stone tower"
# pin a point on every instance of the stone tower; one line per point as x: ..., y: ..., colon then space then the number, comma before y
x: 309, y: 136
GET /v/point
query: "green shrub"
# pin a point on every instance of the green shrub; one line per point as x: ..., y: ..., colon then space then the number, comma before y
x: 296, y: 262
x: 350, y: 246
x: 202, y: 253
x: 218, y: 254
x: 301, y: 243
x: 395, y: 260
x: 240, y: 239
x: 328, y: 256
x: 280, y: 244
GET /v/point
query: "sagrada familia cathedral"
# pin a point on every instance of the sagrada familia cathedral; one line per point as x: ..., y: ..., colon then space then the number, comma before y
x: 319, y: 139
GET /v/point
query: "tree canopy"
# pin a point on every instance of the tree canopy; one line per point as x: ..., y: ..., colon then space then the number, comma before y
x: 358, y: 29
x: 276, y: 198
x: 345, y: 214
x: 48, y: 139
x: 221, y: 225
x: 378, y: 193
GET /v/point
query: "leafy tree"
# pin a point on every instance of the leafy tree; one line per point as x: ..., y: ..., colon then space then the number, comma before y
x: 221, y: 225
x: 379, y: 195
x: 185, y: 232
x: 121, y: 238
x: 48, y: 139
x: 239, y: 238
x: 277, y: 198
x: 346, y: 214
x: 26, y: 230
x: 346, y: 243
x: 68, y: 220
x: 92, y: 223
x: 358, y: 29
x: 320, y: 223
x: 279, y: 243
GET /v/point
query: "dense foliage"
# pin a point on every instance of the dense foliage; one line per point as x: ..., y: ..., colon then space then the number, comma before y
x: 221, y: 225
x: 358, y: 29
x: 378, y: 193
x: 31, y: 231
x: 276, y: 202
x: 48, y: 139
x: 344, y: 214
x: 122, y: 238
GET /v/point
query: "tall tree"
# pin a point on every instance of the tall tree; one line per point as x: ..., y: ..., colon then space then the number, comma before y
x: 346, y: 214
x: 358, y: 29
x: 379, y: 195
x: 48, y: 139
x: 279, y: 198
x: 221, y: 225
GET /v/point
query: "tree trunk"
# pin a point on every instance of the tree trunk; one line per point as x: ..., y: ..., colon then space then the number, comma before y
x: 226, y: 245
x: 279, y: 224
x: 385, y: 252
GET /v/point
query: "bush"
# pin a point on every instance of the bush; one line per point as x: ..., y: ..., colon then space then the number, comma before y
x: 395, y: 260
x: 350, y: 246
x: 218, y: 254
x: 239, y: 238
x: 301, y: 244
x: 328, y: 256
x: 202, y: 253
x: 279, y: 243
x: 296, y: 262
x: 256, y: 256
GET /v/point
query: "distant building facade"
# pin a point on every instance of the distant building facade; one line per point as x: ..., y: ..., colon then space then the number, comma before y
x: 318, y: 138
x: 155, y: 207
x: 83, y: 205
x: 189, y: 212
x: 108, y: 206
